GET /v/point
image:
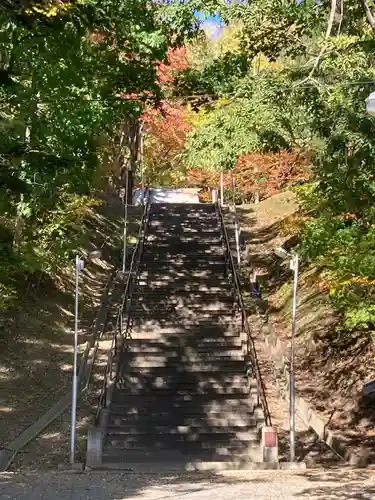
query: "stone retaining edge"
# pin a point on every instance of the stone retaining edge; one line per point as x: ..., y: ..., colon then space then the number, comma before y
x: 309, y: 416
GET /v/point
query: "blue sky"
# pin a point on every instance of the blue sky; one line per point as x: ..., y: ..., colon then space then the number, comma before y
x: 211, y: 24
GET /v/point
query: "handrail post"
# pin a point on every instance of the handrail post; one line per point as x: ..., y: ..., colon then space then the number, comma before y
x: 237, y: 233
x: 221, y: 187
x: 295, y: 266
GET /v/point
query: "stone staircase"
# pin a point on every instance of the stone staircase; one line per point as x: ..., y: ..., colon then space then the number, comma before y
x: 181, y: 397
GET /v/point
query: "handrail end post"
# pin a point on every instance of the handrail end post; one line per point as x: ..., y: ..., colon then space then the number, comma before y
x: 269, y: 445
x: 95, y: 440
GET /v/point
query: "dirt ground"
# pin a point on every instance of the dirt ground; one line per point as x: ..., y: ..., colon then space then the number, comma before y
x: 343, y: 484
x: 331, y: 367
x: 36, y: 351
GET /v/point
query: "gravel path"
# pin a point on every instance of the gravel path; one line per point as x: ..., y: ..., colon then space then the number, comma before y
x: 265, y: 485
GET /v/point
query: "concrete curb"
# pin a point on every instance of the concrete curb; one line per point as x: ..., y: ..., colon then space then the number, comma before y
x: 8, y: 454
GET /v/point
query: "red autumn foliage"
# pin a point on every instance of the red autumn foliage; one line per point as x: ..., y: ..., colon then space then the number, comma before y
x: 269, y: 173
x: 168, y: 128
x: 166, y: 124
x: 263, y: 173
x: 167, y: 121
x: 177, y: 60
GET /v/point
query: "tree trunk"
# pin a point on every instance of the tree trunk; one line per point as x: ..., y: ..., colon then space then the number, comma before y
x: 130, y: 158
x: 369, y: 15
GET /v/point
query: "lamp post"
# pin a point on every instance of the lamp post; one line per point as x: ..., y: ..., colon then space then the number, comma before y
x: 234, y: 190
x: 370, y: 104
x: 221, y: 187
x: 294, y: 266
x: 80, y: 264
x: 125, y: 235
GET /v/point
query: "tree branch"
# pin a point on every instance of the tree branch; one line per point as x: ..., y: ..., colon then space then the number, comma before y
x: 341, y: 17
x: 328, y: 33
x: 369, y: 15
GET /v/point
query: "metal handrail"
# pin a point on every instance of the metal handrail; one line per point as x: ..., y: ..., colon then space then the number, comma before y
x: 109, y: 374
x: 134, y: 264
x: 245, y: 324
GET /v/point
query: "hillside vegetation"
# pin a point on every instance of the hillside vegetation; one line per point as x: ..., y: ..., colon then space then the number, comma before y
x: 278, y: 101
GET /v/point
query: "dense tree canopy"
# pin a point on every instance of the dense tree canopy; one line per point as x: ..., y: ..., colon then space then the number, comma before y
x: 73, y: 77
x: 277, y: 99
x: 292, y: 78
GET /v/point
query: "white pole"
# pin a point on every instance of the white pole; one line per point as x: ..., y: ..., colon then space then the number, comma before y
x: 292, y: 416
x: 234, y: 191
x: 75, y: 359
x: 125, y: 221
x: 141, y: 162
x: 221, y: 188
x: 237, y: 232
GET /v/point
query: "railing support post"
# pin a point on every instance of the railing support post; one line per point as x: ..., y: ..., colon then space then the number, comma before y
x: 269, y: 445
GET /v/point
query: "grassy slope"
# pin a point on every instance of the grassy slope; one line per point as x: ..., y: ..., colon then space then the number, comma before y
x: 36, y: 348
x: 331, y: 366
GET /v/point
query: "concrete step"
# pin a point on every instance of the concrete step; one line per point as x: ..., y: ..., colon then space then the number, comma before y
x: 142, y: 463
x: 196, y: 217
x: 157, y: 329
x: 211, y: 237
x: 208, y: 433
x: 190, y: 233
x: 182, y: 352
x: 219, y: 447
x: 218, y: 327
x: 179, y: 303
x: 190, y: 244
x: 201, y: 344
x: 163, y: 311
x: 195, y: 317
x: 177, y: 285
x: 172, y: 359
x: 169, y: 398
x: 220, y: 320
x: 122, y: 426
x: 200, y: 406
x: 200, y: 421
x: 210, y: 325
x: 165, y: 379
x: 185, y: 384
x: 203, y: 269
x: 189, y: 442
x: 194, y: 334
x: 209, y: 252
x: 184, y: 223
x: 236, y: 366
x: 174, y: 345
x: 193, y: 215
x: 186, y: 217
x: 184, y: 391
x: 173, y: 263
x: 156, y: 284
x: 183, y: 243
x: 191, y: 252
x: 206, y: 409
x: 120, y: 415
x: 174, y: 258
